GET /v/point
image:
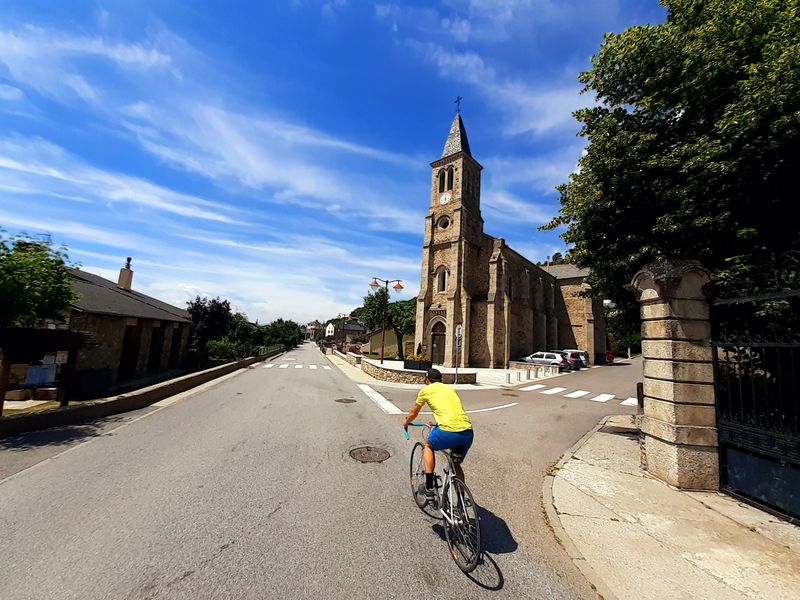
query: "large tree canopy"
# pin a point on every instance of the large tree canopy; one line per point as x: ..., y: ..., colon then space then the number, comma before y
x: 693, y: 145
x: 34, y: 282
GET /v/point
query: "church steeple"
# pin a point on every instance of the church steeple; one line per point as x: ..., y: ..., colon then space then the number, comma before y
x: 457, y: 139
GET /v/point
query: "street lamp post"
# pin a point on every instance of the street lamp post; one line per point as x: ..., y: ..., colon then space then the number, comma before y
x: 397, y: 288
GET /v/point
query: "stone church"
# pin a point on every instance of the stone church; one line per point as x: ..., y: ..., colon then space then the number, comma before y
x: 506, y: 306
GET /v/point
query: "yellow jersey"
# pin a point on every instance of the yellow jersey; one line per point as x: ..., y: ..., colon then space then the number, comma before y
x: 446, y: 407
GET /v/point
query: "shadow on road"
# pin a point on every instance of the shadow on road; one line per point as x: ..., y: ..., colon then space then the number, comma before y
x: 57, y: 436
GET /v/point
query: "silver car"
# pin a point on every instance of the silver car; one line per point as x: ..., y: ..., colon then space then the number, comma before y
x: 548, y: 358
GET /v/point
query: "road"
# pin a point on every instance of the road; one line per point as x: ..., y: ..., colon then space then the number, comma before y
x: 246, y: 489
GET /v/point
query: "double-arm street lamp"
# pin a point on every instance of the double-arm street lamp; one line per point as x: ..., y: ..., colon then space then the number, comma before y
x: 397, y: 288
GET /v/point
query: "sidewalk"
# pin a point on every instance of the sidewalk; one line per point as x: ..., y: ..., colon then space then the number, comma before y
x: 635, y: 537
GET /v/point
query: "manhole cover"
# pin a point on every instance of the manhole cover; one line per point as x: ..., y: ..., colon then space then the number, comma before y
x: 369, y: 454
x: 345, y: 400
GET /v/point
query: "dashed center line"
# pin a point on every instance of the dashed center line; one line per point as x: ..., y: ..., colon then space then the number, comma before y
x: 312, y: 366
x: 326, y: 367
x: 298, y: 366
x: 284, y: 367
x: 269, y: 366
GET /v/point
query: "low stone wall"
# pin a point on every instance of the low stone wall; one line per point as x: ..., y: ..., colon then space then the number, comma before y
x: 95, y: 409
x: 535, y: 371
x: 409, y: 376
x: 353, y: 358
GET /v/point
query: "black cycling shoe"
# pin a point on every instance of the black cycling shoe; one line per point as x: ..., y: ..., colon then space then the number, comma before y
x: 425, y: 496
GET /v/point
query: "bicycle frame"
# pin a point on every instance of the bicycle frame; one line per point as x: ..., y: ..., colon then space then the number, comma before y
x: 448, y: 469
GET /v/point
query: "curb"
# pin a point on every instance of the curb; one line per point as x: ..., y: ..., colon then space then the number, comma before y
x: 561, y: 535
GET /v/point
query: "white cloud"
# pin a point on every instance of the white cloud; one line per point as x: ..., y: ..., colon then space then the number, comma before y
x: 9, y: 93
x: 42, y: 168
x: 44, y: 60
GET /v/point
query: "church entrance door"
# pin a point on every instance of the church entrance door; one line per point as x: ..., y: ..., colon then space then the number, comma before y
x: 437, y: 343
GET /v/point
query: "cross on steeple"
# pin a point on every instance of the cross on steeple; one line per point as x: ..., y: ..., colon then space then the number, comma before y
x: 458, y: 104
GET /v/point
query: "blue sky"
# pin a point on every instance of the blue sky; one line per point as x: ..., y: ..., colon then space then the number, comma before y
x: 277, y: 153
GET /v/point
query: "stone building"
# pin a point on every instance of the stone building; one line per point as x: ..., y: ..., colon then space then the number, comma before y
x: 136, y: 335
x: 506, y: 305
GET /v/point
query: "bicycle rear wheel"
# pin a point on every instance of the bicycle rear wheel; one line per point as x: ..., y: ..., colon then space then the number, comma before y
x: 461, y: 525
x: 417, y: 470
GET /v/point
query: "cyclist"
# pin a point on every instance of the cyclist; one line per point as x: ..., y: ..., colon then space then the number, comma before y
x: 453, y: 429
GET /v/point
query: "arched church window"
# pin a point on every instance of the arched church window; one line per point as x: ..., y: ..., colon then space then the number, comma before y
x: 441, y: 280
x: 441, y: 180
x: 450, y: 178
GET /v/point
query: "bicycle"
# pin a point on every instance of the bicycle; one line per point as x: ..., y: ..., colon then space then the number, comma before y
x: 455, y: 504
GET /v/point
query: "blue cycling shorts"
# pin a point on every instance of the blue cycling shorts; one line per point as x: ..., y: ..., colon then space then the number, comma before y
x: 458, y: 442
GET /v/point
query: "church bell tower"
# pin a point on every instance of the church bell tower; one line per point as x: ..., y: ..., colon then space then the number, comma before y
x: 453, y: 232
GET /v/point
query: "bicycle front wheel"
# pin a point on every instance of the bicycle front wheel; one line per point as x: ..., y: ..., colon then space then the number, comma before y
x: 461, y: 525
x: 418, y: 474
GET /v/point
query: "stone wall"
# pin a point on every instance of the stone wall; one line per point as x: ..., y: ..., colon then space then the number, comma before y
x: 409, y: 376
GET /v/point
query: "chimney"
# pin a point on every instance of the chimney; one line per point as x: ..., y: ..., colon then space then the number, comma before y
x: 126, y: 276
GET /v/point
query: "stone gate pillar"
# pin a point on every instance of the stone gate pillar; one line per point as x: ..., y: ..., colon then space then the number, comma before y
x: 679, y: 434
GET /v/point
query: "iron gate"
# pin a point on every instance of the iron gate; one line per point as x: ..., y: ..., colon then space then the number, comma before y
x: 756, y: 357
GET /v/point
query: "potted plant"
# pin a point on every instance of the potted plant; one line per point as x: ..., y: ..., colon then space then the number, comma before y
x: 417, y: 362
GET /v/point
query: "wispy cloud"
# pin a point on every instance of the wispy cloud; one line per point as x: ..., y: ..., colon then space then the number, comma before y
x: 45, y: 169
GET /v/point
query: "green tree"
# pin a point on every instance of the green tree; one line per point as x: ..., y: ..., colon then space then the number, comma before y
x: 211, y: 319
x: 34, y: 282
x: 284, y: 333
x: 690, y: 148
x: 400, y: 316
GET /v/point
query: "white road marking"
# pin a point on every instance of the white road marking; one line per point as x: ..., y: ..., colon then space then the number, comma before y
x: 269, y: 366
x: 383, y: 403
x: 326, y: 367
x: 284, y: 367
x: 630, y: 402
x: 578, y: 394
x: 530, y: 388
x: 477, y: 410
x: 298, y: 366
x: 555, y: 390
x: 602, y: 398
x: 312, y: 366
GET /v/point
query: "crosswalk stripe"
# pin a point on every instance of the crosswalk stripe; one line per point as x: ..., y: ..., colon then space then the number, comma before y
x: 578, y: 394
x: 531, y: 388
x: 555, y: 390
x: 298, y: 366
x: 312, y: 366
x: 383, y: 403
x: 326, y: 367
x: 602, y: 398
x: 269, y: 366
x: 630, y: 402
x: 284, y: 367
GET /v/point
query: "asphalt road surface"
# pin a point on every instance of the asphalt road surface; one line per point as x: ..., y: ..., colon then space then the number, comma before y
x: 245, y: 488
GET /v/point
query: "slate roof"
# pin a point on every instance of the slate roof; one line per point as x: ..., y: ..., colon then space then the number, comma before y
x: 566, y: 271
x: 103, y: 297
x: 457, y: 140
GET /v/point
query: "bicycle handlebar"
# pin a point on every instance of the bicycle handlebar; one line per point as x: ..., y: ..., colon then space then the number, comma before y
x: 414, y: 425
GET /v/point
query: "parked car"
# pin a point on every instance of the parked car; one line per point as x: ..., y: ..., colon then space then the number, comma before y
x: 573, y: 360
x: 582, y: 355
x: 549, y: 358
